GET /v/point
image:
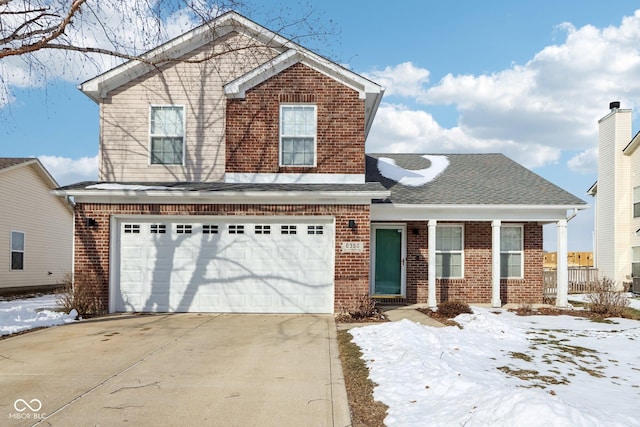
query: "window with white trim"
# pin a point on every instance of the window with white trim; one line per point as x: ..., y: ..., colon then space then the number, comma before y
x: 236, y: 229
x: 449, y: 251
x: 511, y: 252
x: 209, y: 229
x: 315, y: 229
x: 636, y: 202
x: 158, y: 229
x: 635, y: 261
x: 167, y: 135
x: 184, y: 228
x: 288, y: 229
x: 131, y: 228
x: 262, y: 229
x: 298, y: 135
x: 17, y: 250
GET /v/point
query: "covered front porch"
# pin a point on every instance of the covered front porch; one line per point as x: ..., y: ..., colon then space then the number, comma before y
x: 480, y: 254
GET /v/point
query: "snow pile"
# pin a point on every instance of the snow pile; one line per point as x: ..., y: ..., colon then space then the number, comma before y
x: 413, y: 178
x: 22, y: 314
x: 505, y: 370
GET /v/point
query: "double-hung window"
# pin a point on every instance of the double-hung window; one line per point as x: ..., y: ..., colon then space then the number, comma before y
x: 167, y: 135
x: 635, y: 261
x: 636, y: 202
x: 17, y: 250
x: 449, y: 251
x: 511, y: 252
x: 298, y: 135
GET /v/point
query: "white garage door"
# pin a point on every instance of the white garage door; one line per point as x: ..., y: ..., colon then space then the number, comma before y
x: 250, y: 265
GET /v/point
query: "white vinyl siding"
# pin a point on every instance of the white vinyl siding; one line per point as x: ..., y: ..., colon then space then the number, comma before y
x: 511, y: 252
x: 166, y: 134
x: 298, y: 125
x: 17, y: 250
x: 47, y: 224
x: 449, y: 251
x: 124, y: 117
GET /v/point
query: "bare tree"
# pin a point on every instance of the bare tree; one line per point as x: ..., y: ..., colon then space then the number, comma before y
x: 119, y: 28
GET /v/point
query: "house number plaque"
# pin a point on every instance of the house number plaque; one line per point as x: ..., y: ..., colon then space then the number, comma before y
x: 352, y: 246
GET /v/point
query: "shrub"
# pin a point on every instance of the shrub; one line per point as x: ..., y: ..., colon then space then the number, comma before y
x: 81, y: 294
x: 363, y: 308
x: 451, y: 309
x: 606, y: 300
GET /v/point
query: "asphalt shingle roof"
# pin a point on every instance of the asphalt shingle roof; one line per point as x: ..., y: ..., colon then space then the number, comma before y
x: 6, y: 162
x: 471, y: 179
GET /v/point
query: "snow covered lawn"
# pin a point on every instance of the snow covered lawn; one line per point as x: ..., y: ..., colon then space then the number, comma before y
x: 506, y: 370
x: 28, y: 313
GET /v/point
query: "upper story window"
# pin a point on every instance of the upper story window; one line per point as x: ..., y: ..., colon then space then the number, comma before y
x: 636, y: 202
x: 167, y: 135
x: 511, y: 251
x: 298, y: 135
x: 449, y: 251
x: 17, y: 250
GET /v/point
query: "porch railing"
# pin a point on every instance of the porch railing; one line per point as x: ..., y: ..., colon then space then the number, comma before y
x: 581, y: 280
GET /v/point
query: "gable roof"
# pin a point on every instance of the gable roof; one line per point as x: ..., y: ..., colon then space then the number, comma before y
x: 290, y: 53
x: 10, y: 163
x: 633, y: 145
x: 464, y: 179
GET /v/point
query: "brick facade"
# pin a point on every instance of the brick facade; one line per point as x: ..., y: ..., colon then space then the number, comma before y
x: 252, y: 124
x: 475, y: 287
x: 351, y: 278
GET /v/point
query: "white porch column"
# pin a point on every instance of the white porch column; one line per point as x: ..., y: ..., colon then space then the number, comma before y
x: 432, y: 263
x: 495, y: 264
x: 562, y: 268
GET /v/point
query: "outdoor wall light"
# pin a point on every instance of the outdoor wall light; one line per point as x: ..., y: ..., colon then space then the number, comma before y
x: 415, y: 231
x: 90, y: 222
x: 352, y: 224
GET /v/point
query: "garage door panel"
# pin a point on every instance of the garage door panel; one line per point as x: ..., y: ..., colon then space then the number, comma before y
x: 216, y: 269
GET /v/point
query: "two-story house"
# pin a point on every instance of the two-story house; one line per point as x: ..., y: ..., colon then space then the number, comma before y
x: 617, y: 195
x: 233, y: 178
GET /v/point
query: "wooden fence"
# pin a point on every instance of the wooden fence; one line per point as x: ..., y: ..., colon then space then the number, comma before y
x: 581, y: 280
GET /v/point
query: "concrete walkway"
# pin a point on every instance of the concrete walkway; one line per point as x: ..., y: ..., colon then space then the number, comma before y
x: 179, y: 369
x: 398, y: 313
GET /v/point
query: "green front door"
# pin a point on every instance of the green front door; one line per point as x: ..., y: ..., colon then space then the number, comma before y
x: 388, y: 261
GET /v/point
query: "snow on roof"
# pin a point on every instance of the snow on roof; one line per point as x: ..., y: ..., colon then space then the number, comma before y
x: 413, y: 178
x: 127, y: 187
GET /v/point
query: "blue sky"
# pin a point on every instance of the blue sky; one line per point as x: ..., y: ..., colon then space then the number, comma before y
x: 529, y: 79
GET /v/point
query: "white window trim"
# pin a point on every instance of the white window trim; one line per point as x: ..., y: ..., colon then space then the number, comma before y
x: 11, y: 250
x: 461, y: 252
x: 184, y: 135
x: 633, y: 258
x: 636, y: 200
x: 521, y: 251
x: 315, y: 137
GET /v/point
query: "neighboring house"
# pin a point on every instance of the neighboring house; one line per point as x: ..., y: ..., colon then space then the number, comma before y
x: 36, y: 228
x: 237, y: 180
x: 617, y: 195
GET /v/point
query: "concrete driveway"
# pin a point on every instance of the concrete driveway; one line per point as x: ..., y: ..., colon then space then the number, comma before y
x: 178, y: 369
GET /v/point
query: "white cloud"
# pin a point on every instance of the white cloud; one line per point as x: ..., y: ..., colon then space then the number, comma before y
x: 585, y: 162
x: 398, y: 129
x: 68, y: 171
x: 402, y: 80
x: 531, y: 112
